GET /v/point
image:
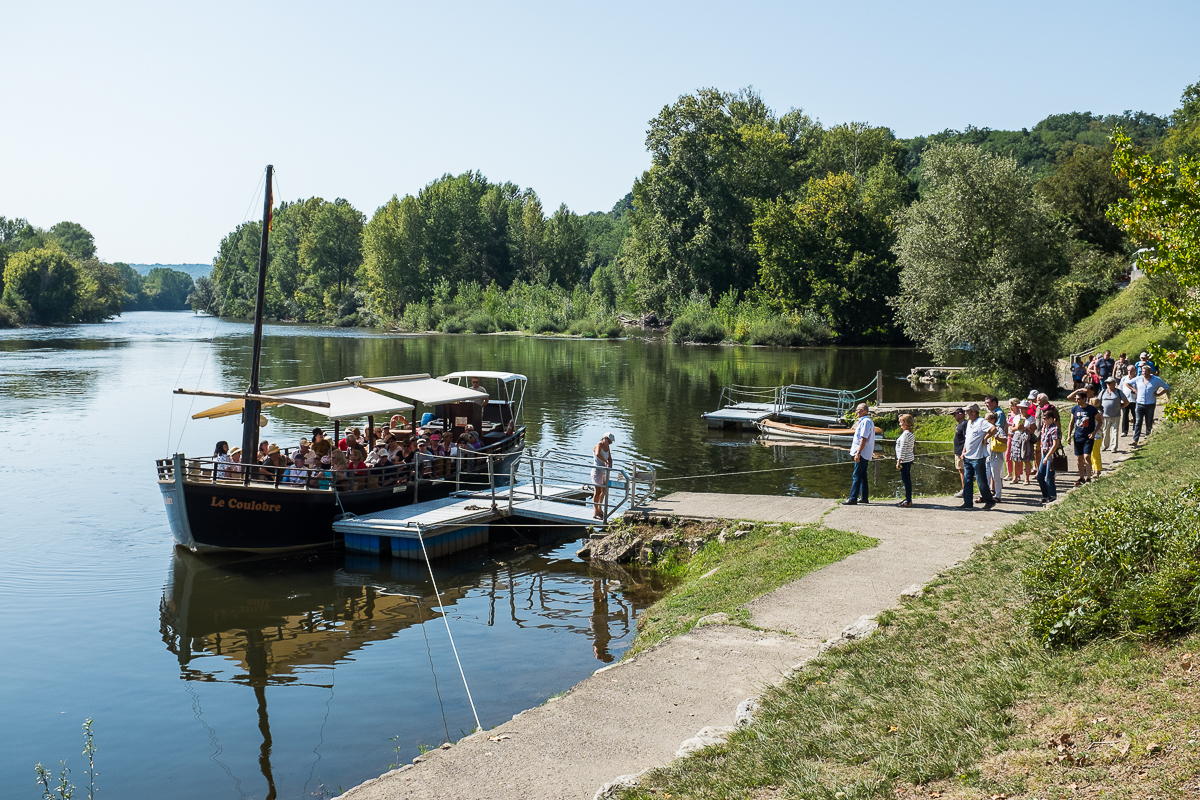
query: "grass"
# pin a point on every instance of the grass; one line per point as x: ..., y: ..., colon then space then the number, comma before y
x: 953, y: 698
x: 926, y: 427
x: 746, y: 568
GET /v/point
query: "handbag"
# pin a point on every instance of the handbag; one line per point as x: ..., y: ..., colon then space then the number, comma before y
x: 999, y: 445
x: 1058, y: 461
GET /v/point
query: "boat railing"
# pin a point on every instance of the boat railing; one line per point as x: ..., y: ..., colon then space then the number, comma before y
x: 734, y: 394
x: 563, y: 479
x: 476, y: 469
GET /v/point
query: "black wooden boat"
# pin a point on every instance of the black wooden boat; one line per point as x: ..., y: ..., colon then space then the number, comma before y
x: 260, y: 508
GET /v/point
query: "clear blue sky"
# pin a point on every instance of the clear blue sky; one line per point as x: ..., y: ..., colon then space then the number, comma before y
x: 150, y: 123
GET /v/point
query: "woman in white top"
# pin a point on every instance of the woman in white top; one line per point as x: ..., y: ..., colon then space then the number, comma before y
x: 905, y: 447
x: 600, y: 471
x: 221, y: 454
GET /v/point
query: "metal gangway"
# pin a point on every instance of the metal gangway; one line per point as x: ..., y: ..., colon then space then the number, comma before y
x: 550, y: 487
x: 748, y: 405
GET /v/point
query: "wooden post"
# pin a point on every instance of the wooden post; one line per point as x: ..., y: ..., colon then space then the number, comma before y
x: 878, y: 387
x: 370, y: 433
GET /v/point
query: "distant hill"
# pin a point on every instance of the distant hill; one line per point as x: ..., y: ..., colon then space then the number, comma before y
x: 195, y: 270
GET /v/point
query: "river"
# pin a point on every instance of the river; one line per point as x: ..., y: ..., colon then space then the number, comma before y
x: 305, y: 676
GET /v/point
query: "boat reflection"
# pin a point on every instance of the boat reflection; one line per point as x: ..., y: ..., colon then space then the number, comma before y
x: 277, y: 622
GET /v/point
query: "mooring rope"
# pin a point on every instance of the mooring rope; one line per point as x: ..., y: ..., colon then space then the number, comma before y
x: 446, y: 619
x: 779, y: 469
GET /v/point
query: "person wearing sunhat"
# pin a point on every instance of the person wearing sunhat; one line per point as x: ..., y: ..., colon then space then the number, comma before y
x: 602, y: 453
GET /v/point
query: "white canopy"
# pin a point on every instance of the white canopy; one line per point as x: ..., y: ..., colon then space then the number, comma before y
x: 483, y: 373
x: 354, y: 398
x: 424, y: 389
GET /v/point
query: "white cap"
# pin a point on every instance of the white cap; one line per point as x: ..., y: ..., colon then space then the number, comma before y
x: 610, y: 436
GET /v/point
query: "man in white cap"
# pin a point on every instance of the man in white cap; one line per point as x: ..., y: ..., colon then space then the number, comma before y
x: 600, y: 472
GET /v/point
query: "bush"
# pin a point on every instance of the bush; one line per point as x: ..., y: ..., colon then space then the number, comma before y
x: 453, y: 325
x: 8, y: 318
x: 582, y: 327
x: 544, y: 325
x: 480, y: 322
x: 610, y: 329
x: 1131, y: 569
x: 691, y: 329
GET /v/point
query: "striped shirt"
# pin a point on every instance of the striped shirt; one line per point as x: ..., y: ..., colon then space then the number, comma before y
x: 905, y: 444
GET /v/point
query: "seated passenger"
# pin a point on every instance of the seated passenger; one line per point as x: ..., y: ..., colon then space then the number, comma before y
x: 338, y: 470
x: 221, y: 454
x: 234, y: 469
x: 297, y: 474
x: 321, y: 446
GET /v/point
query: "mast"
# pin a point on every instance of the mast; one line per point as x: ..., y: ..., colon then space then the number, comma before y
x: 253, y: 408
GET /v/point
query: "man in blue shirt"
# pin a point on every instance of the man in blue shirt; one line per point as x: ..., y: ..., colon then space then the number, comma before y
x: 1147, y: 388
x: 1104, y: 366
x: 863, y: 450
x: 1144, y: 360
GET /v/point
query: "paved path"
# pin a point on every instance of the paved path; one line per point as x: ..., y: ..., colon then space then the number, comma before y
x: 635, y: 715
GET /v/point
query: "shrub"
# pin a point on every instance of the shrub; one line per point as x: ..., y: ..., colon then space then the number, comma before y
x: 543, y: 325
x: 610, y: 329
x: 8, y: 318
x: 1130, y: 569
x: 480, y: 322
x: 691, y: 329
x: 582, y: 327
x: 453, y: 325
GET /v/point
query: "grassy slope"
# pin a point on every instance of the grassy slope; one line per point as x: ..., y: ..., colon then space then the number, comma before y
x: 953, y: 697
x: 746, y: 568
x: 1123, y: 324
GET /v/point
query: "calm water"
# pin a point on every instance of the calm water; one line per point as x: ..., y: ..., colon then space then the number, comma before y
x: 213, y: 679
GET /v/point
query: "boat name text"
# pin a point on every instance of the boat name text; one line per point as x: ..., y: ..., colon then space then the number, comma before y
x: 246, y: 506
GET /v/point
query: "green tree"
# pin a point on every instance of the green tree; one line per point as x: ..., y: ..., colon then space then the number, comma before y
x: 332, y: 251
x: 830, y: 252
x: 41, y: 285
x: 205, y: 296
x: 393, y: 256
x: 1081, y: 190
x: 714, y: 154
x: 1163, y: 213
x: 980, y: 257
x: 167, y: 289
x: 290, y: 226
x: 75, y: 240
x: 101, y: 294
x: 1184, y: 136
x: 235, y: 270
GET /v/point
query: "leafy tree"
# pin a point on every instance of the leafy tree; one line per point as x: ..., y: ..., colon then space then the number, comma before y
x: 205, y: 296
x: 332, y: 251
x: 714, y: 155
x: 1081, y: 190
x: 1184, y: 138
x: 74, y: 239
x: 980, y: 256
x: 168, y: 289
x: 235, y: 270
x: 1163, y: 212
x: 41, y: 285
x: 830, y: 252
x: 393, y: 256
x: 101, y: 293
x: 291, y: 223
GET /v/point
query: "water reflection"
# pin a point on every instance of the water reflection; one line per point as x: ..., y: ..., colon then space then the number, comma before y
x: 274, y: 623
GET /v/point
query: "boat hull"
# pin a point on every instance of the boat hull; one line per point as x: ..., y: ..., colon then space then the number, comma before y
x: 207, y: 517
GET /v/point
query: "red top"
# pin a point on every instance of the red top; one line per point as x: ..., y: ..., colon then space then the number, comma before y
x: 359, y: 467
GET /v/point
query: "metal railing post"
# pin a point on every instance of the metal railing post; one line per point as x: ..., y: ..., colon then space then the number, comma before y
x: 492, y: 481
x: 512, y: 484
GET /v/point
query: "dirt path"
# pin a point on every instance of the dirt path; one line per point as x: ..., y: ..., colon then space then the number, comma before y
x: 635, y: 715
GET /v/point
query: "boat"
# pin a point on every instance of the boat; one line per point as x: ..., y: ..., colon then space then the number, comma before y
x: 260, y: 508
x: 784, y: 430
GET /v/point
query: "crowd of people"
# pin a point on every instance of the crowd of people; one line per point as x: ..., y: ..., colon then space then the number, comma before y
x: 390, y: 456
x: 995, y: 445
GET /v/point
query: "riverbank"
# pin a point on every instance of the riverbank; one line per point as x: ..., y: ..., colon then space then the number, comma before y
x: 637, y: 715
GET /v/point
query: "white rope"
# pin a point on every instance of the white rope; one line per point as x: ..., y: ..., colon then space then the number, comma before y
x: 446, y: 619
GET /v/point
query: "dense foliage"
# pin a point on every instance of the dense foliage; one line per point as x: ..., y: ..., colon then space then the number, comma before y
x: 1130, y: 569
x: 53, y: 276
x: 1163, y: 213
x: 981, y: 259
